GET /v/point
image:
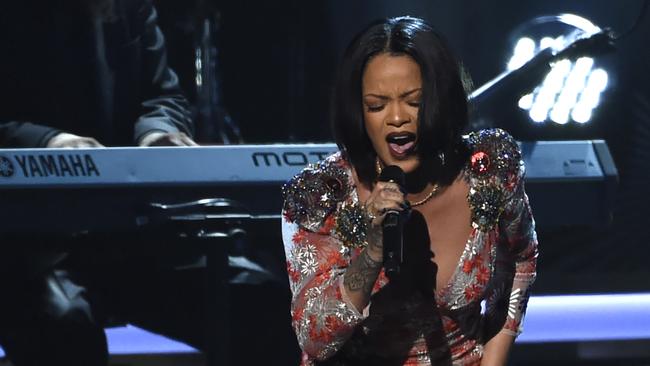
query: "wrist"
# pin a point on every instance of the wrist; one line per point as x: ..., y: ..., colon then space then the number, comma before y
x: 376, y: 252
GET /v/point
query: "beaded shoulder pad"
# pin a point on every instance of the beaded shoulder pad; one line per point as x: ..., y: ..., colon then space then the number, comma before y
x: 493, y: 173
x: 315, y: 193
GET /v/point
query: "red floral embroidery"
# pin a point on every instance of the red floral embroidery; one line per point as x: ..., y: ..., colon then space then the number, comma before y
x: 299, y: 237
x: 332, y: 322
x: 333, y: 260
x: 323, y: 335
x: 382, y: 280
x: 321, y: 278
x: 483, y: 275
x: 312, y: 327
x: 318, y: 240
x: 338, y: 293
x: 468, y: 266
x: 328, y: 225
x: 472, y: 292
x: 293, y: 274
x: 318, y: 335
x: 298, y: 314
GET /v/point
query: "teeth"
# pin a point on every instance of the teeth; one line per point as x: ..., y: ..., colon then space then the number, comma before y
x: 400, y: 139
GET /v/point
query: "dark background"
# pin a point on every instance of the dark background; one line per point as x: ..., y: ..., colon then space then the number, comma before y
x: 277, y: 59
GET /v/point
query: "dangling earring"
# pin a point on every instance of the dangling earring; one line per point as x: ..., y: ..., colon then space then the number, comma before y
x: 441, y: 156
x: 378, y: 167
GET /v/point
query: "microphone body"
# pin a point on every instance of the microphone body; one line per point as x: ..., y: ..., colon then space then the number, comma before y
x: 393, y: 226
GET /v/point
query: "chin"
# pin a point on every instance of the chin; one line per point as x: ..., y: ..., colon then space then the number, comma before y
x: 407, y: 165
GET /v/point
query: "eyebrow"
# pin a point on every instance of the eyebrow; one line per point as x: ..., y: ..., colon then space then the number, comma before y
x: 405, y: 94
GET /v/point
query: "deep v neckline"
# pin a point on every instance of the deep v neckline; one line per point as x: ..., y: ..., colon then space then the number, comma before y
x: 471, y: 238
x: 444, y: 290
x: 440, y: 293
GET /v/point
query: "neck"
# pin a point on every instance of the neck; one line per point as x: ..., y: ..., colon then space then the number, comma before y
x: 419, y: 180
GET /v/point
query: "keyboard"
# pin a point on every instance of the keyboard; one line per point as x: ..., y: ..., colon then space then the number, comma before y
x: 154, y: 166
x: 113, y: 189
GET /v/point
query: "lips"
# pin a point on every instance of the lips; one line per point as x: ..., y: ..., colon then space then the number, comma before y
x: 401, y: 144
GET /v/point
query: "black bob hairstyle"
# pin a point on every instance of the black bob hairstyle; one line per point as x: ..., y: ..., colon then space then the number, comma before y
x: 443, y: 113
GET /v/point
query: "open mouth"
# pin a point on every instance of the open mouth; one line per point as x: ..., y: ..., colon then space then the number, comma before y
x: 401, y: 144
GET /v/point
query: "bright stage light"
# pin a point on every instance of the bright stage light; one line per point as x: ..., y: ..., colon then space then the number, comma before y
x: 580, y: 318
x: 572, y: 90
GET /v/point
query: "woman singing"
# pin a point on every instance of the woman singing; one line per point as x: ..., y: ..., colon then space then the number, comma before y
x: 468, y: 237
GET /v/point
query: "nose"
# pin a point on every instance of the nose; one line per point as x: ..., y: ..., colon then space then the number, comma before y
x: 397, y: 114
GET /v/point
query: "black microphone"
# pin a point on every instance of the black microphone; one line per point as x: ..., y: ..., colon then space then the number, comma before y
x: 393, y: 225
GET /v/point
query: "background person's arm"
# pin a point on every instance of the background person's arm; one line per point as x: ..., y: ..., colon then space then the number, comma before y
x: 165, y: 117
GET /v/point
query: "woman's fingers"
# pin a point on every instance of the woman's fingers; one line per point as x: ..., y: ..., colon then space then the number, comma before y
x: 386, y: 196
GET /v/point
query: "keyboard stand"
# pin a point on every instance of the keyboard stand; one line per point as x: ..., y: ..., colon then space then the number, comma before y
x: 213, y: 225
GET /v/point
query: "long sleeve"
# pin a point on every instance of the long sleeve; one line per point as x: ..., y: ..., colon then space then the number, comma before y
x: 25, y: 134
x: 500, y: 206
x: 164, y: 107
x: 518, y: 228
x: 321, y: 316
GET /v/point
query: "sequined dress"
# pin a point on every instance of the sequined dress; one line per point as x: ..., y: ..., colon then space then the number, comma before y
x: 323, y: 231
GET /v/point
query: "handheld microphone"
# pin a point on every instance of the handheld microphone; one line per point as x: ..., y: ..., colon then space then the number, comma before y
x: 392, y: 226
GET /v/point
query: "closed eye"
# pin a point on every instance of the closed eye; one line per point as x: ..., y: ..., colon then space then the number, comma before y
x: 374, y: 108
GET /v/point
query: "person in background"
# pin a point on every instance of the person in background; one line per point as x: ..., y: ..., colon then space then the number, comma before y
x: 77, y: 74
x: 469, y: 234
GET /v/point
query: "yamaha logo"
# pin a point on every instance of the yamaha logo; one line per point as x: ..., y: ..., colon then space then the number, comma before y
x: 6, y: 167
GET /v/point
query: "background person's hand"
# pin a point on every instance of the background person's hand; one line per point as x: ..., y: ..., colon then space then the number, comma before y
x: 69, y: 140
x: 160, y: 138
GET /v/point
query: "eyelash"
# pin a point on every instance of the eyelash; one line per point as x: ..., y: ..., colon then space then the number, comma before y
x: 379, y: 108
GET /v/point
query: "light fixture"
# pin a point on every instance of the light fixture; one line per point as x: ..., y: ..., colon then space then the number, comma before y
x: 572, y: 89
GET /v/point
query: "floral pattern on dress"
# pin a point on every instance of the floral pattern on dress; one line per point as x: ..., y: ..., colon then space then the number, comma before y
x: 498, y: 263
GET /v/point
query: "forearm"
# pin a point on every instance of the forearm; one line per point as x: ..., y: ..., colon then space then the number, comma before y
x: 361, y: 275
x: 19, y: 134
x: 164, y: 107
x: 496, y: 350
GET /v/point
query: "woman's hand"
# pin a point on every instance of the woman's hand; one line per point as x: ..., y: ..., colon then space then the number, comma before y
x: 362, y: 273
x: 385, y: 196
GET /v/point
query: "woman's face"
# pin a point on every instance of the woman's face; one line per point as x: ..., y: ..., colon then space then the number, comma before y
x: 391, y: 96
